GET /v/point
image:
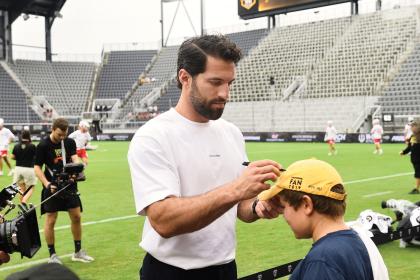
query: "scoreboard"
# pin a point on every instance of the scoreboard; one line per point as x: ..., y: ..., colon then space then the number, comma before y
x: 248, y: 9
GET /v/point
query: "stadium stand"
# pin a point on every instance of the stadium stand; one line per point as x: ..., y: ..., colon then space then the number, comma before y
x: 120, y: 70
x: 161, y: 72
x: 401, y: 96
x: 62, y: 83
x: 328, y: 65
x: 14, y: 107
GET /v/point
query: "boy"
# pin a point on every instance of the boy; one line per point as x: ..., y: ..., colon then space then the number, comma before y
x: 313, y: 200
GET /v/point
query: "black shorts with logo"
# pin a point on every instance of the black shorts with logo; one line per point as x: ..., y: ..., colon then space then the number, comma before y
x: 416, y: 166
x: 64, y: 201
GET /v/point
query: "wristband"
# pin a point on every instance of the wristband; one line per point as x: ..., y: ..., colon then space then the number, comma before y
x: 254, y: 205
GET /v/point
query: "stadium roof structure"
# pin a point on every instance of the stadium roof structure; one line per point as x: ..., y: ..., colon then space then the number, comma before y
x: 45, y: 8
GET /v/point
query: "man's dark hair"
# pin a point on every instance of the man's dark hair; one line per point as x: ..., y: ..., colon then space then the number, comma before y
x: 60, y: 123
x: 192, y: 54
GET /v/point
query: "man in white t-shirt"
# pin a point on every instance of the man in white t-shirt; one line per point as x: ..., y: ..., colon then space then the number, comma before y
x: 330, y: 134
x: 187, y: 173
x: 377, y: 132
x: 82, y: 138
x: 6, y: 137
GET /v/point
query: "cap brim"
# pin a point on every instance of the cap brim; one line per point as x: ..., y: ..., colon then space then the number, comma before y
x: 266, y: 195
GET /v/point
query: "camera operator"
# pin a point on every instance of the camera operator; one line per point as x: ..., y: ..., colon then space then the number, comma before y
x: 54, y: 151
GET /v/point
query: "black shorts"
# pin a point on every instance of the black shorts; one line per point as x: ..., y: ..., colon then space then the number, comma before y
x: 416, y: 170
x: 154, y: 269
x: 64, y: 201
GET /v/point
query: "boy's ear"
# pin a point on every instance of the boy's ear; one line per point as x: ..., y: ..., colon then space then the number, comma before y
x: 308, y: 205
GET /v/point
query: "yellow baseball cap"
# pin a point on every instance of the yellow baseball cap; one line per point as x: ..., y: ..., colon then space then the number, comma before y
x: 309, y: 176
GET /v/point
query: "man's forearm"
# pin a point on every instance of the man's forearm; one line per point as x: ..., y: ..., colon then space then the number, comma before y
x: 41, y: 175
x: 173, y: 216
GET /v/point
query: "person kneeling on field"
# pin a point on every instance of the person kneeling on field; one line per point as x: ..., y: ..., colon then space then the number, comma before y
x: 312, y: 198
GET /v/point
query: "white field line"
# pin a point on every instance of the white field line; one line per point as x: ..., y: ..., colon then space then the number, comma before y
x: 29, y: 263
x: 377, y: 178
x: 377, y: 194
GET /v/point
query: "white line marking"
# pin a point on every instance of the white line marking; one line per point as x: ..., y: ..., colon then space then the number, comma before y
x: 31, y: 263
x: 378, y: 178
x: 97, y: 222
x: 377, y: 194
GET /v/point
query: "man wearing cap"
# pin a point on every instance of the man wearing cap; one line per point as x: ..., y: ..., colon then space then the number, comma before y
x: 6, y: 137
x: 312, y: 196
x: 82, y: 138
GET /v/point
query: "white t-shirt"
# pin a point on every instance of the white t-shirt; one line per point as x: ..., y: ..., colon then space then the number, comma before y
x: 171, y: 155
x: 377, y: 131
x: 5, y: 136
x: 81, y: 138
x: 379, y: 269
x: 407, y: 131
x: 330, y: 133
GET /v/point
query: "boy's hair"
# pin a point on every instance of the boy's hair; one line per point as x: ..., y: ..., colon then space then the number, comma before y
x: 322, y: 204
x: 60, y: 123
x: 192, y: 54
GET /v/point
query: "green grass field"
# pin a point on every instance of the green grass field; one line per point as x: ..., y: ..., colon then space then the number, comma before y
x: 113, y: 231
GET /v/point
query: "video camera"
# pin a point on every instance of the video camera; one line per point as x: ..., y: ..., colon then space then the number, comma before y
x: 71, y: 172
x: 20, y: 234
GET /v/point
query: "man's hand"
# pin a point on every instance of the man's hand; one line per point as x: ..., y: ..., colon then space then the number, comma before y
x: 252, y: 181
x: 269, y: 209
x: 52, y: 187
x: 4, y: 257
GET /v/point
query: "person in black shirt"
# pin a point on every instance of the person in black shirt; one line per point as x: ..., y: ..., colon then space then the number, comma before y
x: 24, y: 175
x: 413, y: 147
x: 50, y: 153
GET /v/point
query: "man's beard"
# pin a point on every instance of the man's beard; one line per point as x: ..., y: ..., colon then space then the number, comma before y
x: 202, y: 106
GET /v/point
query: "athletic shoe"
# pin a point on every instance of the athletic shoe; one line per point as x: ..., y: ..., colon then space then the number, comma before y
x: 381, y: 152
x: 81, y: 256
x: 414, y: 191
x: 54, y: 259
x: 11, y: 172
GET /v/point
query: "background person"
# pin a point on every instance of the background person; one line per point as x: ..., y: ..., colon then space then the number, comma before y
x: 312, y: 197
x: 187, y: 174
x: 377, y: 132
x: 24, y: 174
x: 50, y: 153
x: 413, y: 147
x: 330, y: 134
x: 82, y: 138
x: 6, y: 137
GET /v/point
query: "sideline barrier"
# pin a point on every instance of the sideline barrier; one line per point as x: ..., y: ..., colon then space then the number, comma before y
x: 287, y: 269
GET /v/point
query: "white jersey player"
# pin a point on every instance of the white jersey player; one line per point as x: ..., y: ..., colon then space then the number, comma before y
x: 82, y: 138
x: 407, y: 130
x: 330, y: 135
x: 6, y: 137
x: 377, y: 132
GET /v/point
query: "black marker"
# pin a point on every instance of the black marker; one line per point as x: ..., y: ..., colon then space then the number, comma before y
x: 246, y: 163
